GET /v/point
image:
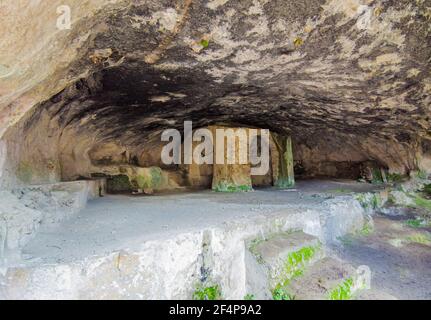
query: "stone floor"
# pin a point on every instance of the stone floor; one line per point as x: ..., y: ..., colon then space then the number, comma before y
x: 114, y: 222
x: 164, y: 246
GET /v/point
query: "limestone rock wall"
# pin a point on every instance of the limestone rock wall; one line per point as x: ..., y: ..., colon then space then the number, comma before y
x: 355, y: 72
x: 23, y: 211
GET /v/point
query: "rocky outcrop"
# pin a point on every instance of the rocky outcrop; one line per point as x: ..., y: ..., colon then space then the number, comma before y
x: 351, y: 75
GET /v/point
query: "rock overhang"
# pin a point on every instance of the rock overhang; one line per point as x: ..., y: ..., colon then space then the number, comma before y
x: 357, y: 70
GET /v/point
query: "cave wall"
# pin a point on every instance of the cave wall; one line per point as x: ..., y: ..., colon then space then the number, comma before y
x: 334, y: 154
x: 45, y: 148
x: 357, y: 70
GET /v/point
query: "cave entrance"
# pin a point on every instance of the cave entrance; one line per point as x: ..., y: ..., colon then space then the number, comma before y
x: 108, y: 127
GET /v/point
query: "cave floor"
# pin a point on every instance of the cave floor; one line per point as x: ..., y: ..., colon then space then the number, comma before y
x: 116, y: 221
x: 397, y: 254
x: 400, y: 266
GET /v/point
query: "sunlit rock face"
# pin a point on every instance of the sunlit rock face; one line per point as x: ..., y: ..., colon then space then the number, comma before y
x: 349, y: 80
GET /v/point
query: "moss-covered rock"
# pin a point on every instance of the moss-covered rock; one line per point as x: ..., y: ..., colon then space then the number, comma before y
x: 119, y: 184
x: 229, y: 187
x: 285, y: 177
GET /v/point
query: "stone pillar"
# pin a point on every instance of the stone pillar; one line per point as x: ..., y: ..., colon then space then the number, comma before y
x: 227, y: 177
x: 284, y: 176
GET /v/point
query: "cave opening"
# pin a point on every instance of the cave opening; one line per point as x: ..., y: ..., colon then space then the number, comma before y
x: 109, y: 126
x: 336, y: 93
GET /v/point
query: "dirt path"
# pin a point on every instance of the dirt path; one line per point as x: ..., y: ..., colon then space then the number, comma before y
x: 398, y: 255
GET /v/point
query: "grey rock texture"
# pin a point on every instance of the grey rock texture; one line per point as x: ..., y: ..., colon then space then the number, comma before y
x: 352, y: 73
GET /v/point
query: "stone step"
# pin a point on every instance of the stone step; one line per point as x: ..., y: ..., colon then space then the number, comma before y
x: 327, y: 279
x: 281, y: 257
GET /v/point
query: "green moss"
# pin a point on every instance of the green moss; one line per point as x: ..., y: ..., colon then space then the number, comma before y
x: 284, y: 183
x: 282, y: 294
x: 421, y: 174
x: 253, y: 249
x: 376, y: 201
x: 422, y: 202
x: 286, y: 175
x: 369, y: 202
x: 427, y: 190
x: 144, y: 182
x: 153, y: 180
x: 204, y: 43
x: 24, y: 172
x: 298, y: 42
x: 343, y: 291
x: 156, y: 177
x: 207, y: 293
x: 391, y: 200
x: 419, y: 223
x: 120, y: 183
x: 249, y: 297
x: 394, y: 177
x: 229, y: 187
x: 367, y: 229
x: 295, y: 263
x: 420, y: 238
x: 415, y: 223
x: 377, y: 176
x: 362, y: 200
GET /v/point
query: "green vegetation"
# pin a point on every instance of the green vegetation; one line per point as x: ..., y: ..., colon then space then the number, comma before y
x: 207, y: 293
x: 229, y: 187
x: 249, y: 297
x: 377, y: 176
x: 153, y: 180
x: 204, y: 43
x: 418, y: 223
x: 422, y: 202
x: 391, y: 200
x: 284, y: 183
x: 420, y: 238
x: 362, y: 200
x: 143, y: 181
x: 421, y: 175
x: 282, y: 294
x: 343, y: 291
x: 376, y: 201
x: 156, y: 176
x: 427, y: 190
x: 253, y: 249
x: 367, y: 229
x: 414, y: 223
x: 120, y: 183
x: 295, y: 262
x: 298, y: 42
x: 286, y: 176
x: 294, y: 266
x: 395, y: 177
x: 367, y: 201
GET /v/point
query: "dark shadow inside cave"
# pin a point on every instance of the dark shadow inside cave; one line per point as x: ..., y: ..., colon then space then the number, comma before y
x: 110, y: 124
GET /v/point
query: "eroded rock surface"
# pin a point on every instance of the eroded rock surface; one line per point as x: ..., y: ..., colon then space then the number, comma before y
x: 351, y: 75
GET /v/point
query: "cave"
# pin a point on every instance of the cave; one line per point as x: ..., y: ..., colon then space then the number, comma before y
x: 342, y: 88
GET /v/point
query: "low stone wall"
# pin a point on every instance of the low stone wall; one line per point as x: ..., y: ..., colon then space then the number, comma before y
x: 175, y: 267
x: 24, y: 210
